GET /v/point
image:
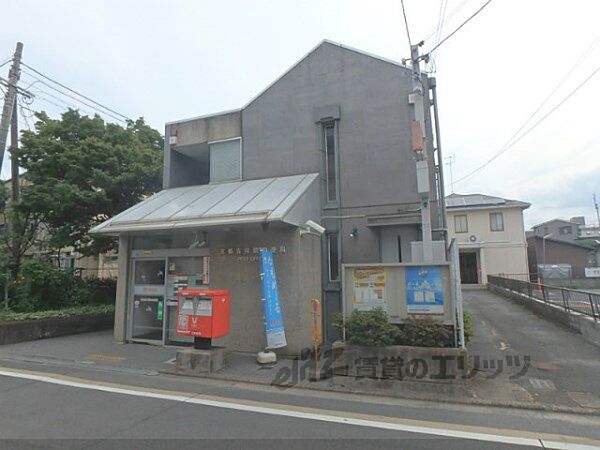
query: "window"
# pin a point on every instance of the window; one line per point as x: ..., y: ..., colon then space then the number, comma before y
x: 226, y: 160
x: 334, y: 259
x: 399, y: 249
x: 496, y: 222
x: 565, y: 230
x: 330, y: 162
x: 460, y: 224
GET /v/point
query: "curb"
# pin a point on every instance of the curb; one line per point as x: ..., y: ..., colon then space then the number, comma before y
x: 362, y: 392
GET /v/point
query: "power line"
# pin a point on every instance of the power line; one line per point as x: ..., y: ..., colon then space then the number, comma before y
x: 460, y: 26
x: 529, y: 130
x: 450, y: 15
x: 67, y: 104
x: 71, y: 97
x: 77, y: 93
x: 6, y: 62
x: 560, y: 83
x: 406, y: 24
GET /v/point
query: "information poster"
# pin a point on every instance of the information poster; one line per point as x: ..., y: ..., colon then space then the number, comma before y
x: 424, y: 290
x: 271, y: 304
x: 369, y: 288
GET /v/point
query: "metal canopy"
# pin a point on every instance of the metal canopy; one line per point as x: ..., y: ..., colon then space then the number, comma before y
x: 293, y: 199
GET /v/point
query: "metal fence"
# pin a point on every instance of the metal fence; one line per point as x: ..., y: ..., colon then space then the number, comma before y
x: 583, y: 302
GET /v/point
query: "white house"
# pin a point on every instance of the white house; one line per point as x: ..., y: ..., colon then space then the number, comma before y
x: 490, y: 234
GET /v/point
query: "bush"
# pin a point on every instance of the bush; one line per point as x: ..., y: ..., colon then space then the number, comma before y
x: 41, y: 286
x: 368, y: 328
x: 82, y: 310
x: 468, y: 326
x: 102, y: 290
x: 372, y: 329
x: 426, y: 332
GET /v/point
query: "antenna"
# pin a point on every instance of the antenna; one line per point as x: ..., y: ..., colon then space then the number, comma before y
x: 597, y: 212
x: 451, y: 159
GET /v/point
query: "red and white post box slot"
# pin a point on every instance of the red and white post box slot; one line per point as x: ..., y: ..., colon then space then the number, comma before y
x: 203, y: 314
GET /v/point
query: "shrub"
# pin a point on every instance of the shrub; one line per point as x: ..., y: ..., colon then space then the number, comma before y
x: 372, y: 329
x: 468, y: 326
x: 426, y: 332
x: 102, y: 290
x: 368, y: 328
x: 41, y: 286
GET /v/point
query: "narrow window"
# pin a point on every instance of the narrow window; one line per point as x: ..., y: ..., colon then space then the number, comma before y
x: 496, y: 222
x: 226, y: 160
x: 399, y: 249
x: 460, y: 224
x: 330, y: 167
x: 334, y: 260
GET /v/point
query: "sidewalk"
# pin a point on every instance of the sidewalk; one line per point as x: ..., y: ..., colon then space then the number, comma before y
x: 561, y: 376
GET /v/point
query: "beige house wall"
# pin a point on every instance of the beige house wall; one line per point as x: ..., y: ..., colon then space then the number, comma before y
x: 498, y: 252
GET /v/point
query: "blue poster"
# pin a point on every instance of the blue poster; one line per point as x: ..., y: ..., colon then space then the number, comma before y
x: 271, y: 305
x: 424, y: 290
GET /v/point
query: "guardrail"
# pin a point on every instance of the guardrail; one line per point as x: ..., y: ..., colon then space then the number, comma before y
x: 583, y: 302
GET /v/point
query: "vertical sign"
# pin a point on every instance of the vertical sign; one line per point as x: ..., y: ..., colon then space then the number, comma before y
x: 424, y: 290
x: 271, y: 305
x: 160, y: 310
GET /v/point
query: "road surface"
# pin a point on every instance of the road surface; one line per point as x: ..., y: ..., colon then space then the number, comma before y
x: 49, y: 406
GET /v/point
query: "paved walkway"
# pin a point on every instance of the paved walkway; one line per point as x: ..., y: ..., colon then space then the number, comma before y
x: 564, y: 367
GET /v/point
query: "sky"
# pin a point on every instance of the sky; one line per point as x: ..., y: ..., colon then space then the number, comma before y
x: 170, y: 60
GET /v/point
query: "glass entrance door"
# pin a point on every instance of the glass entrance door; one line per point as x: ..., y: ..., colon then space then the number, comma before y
x: 148, y: 299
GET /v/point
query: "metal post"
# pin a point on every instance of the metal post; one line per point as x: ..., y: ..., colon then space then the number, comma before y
x: 592, y: 305
x: 564, y: 300
x: 10, y: 99
x: 440, y: 158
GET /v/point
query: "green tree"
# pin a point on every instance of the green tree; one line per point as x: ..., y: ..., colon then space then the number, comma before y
x: 82, y: 171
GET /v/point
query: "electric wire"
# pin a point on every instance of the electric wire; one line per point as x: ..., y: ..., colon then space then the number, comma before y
x: 124, y: 117
x: 529, y: 130
x: 6, y: 62
x: 460, y: 26
x: 73, y: 98
x: 406, y: 25
x: 449, y: 17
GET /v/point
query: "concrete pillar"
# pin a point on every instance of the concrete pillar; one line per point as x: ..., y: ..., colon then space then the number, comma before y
x: 121, y: 298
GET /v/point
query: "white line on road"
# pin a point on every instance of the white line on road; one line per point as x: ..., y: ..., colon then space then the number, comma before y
x: 515, y: 437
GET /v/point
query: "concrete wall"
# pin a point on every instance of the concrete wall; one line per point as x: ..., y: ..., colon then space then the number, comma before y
x: 298, y: 272
x: 282, y: 136
x: 499, y: 252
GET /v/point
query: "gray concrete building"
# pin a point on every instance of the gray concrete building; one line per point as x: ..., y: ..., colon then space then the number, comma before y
x: 328, y: 141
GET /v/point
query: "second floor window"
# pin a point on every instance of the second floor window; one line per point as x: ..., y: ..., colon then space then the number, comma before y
x: 460, y: 224
x: 226, y: 160
x: 565, y: 230
x: 496, y: 222
x: 330, y: 162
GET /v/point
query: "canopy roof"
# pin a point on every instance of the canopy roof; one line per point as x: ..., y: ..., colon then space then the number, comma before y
x: 292, y: 199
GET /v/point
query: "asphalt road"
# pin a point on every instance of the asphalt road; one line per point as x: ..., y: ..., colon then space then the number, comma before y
x: 61, y: 407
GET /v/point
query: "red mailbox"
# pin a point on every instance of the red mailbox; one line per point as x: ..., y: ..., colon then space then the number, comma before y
x: 203, y: 313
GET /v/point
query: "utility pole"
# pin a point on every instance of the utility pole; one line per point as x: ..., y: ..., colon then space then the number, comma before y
x: 419, y: 145
x: 10, y: 99
x: 14, y: 144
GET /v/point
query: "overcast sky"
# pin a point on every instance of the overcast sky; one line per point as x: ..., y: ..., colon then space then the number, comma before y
x: 168, y: 60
